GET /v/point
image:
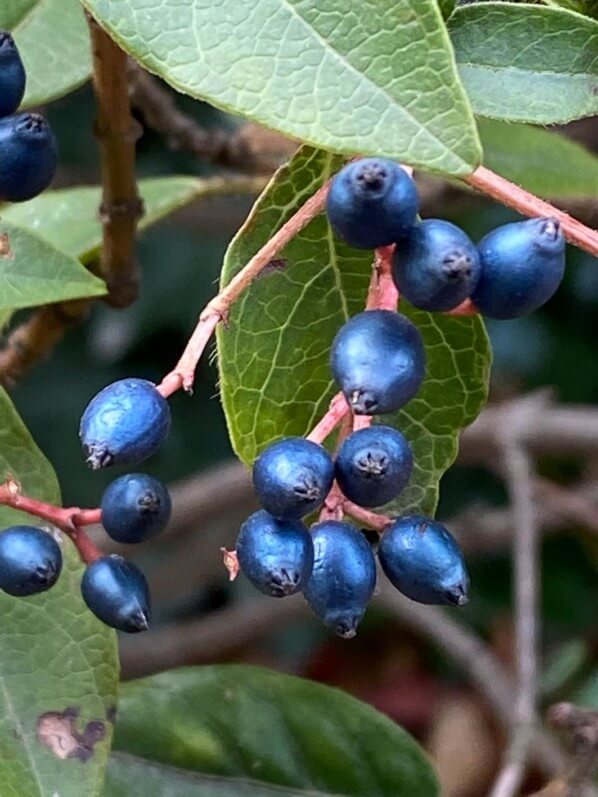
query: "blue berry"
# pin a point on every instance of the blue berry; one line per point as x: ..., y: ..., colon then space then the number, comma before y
x: 28, y: 156
x: 436, y: 266
x: 293, y: 477
x: 117, y: 593
x: 372, y: 202
x: 522, y: 266
x: 277, y: 556
x: 12, y: 75
x: 373, y: 465
x: 378, y: 360
x: 135, y: 507
x: 124, y: 424
x: 30, y: 560
x: 423, y: 561
x: 343, y: 578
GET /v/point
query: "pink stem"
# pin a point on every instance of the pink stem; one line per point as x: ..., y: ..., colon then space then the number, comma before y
x: 338, y: 410
x: 466, y: 308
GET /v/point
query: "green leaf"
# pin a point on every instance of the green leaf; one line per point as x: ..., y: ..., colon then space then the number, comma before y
x: 352, y: 76
x: 544, y: 163
x: 33, y: 272
x: 527, y: 63
x: 54, y: 655
x: 446, y: 7
x: 587, y: 7
x: 53, y: 40
x: 273, y: 355
x: 250, y: 728
x: 68, y: 218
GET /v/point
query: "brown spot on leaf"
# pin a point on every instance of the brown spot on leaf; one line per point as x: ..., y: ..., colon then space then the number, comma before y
x: 57, y: 731
x: 5, y: 248
x: 278, y: 264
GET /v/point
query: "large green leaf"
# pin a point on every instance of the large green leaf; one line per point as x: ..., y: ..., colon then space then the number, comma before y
x: 55, y: 657
x: 587, y: 7
x: 544, y: 163
x: 68, y: 218
x: 527, y: 63
x: 347, y: 75
x: 53, y: 40
x: 33, y: 272
x: 275, y: 377
x: 249, y: 728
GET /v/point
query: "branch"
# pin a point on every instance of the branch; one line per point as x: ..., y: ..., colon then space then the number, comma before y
x: 252, y: 150
x: 117, y: 133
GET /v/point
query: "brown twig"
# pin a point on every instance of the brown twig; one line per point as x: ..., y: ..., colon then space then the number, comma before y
x: 117, y: 133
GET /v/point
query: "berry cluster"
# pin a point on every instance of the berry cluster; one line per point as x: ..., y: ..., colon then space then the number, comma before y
x: 28, y: 155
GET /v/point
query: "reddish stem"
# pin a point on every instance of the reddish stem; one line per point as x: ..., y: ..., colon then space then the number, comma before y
x: 466, y: 308
x: 366, y: 516
x: 333, y: 505
x: 382, y: 293
x: 337, y: 411
x: 69, y: 520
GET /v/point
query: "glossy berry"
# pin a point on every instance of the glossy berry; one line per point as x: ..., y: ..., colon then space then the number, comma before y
x: 436, y: 266
x: 30, y: 560
x: 423, y: 561
x: 373, y: 465
x: 343, y: 578
x: 372, y: 202
x: 378, y: 360
x: 277, y: 556
x: 522, y: 266
x: 135, y: 507
x: 117, y: 593
x: 28, y: 156
x: 12, y: 75
x: 293, y: 477
x: 124, y: 424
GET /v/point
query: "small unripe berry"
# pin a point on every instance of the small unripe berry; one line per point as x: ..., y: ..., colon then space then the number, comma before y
x: 423, y: 561
x: 343, y: 578
x: 522, y: 266
x: 124, y: 424
x: 28, y: 156
x: 277, y: 556
x: 436, y: 266
x: 372, y: 202
x: 12, y: 75
x: 292, y: 477
x: 378, y: 360
x: 373, y: 465
x: 30, y: 560
x: 116, y: 591
x: 135, y: 507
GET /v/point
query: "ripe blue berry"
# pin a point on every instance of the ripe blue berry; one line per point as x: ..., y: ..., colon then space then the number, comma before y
x: 372, y: 202
x: 135, y: 507
x: 117, y: 593
x: 423, y: 561
x: 343, y: 578
x: 293, y: 477
x: 378, y: 360
x: 28, y: 156
x: 436, y: 266
x: 522, y: 266
x: 277, y: 556
x: 124, y: 424
x: 30, y: 560
x: 12, y: 75
x: 373, y: 465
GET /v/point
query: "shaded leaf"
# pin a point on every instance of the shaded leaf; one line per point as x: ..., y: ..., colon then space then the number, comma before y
x: 587, y: 7
x: 68, y: 218
x: 544, y: 163
x: 55, y: 655
x: 527, y: 63
x: 53, y: 40
x: 351, y: 76
x: 273, y: 355
x: 245, y: 723
x: 33, y: 272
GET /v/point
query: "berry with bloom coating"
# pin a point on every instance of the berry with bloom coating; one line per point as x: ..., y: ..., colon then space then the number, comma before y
x: 343, y: 577
x: 372, y: 202
x: 423, y: 561
x: 28, y: 156
x: 135, y: 507
x: 277, y: 556
x: 30, y: 560
x: 12, y: 75
x: 292, y: 477
x: 124, y: 424
x: 116, y: 591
